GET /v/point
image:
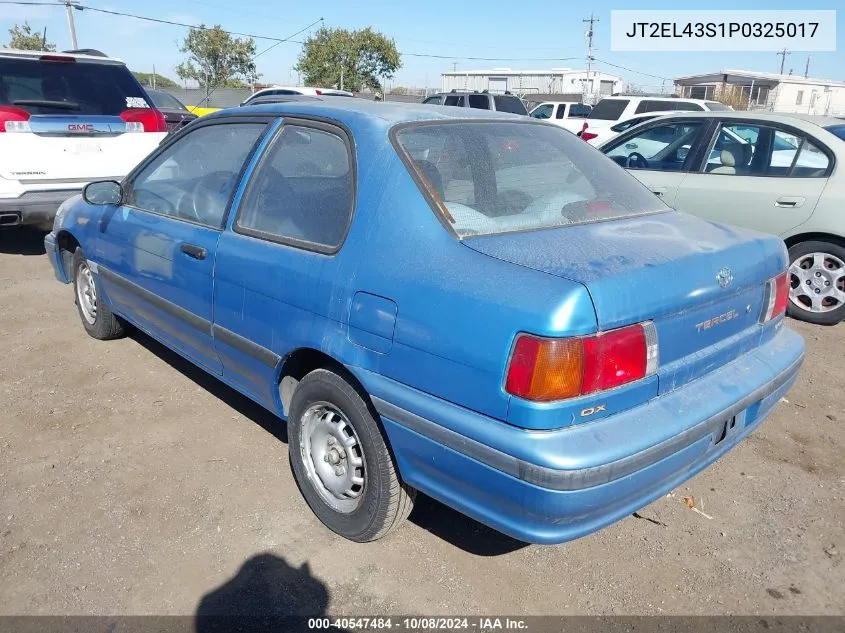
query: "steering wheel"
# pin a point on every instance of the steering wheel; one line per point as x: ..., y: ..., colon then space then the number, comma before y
x: 636, y: 160
x: 210, y: 195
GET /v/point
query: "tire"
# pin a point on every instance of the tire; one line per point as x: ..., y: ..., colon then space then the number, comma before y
x: 326, y: 411
x: 822, y: 264
x: 95, y: 315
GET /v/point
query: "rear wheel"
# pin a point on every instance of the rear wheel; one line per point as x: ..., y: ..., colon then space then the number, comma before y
x: 817, y: 282
x: 96, y: 317
x: 341, y: 461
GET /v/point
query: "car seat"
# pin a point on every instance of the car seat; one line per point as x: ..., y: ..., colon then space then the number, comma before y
x: 734, y: 158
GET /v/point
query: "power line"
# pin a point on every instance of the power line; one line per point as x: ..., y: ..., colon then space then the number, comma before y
x: 272, y: 46
x: 280, y: 40
x: 631, y: 70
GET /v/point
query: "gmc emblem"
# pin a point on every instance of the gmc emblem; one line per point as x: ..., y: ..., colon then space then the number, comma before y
x: 80, y: 127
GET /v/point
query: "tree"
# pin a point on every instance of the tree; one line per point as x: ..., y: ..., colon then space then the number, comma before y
x: 146, y: 79
x: 216, y: 59
x: 349, y: 60
x: 23, y: 38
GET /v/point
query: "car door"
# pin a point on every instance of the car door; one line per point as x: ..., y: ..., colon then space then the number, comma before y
x: 660, y: 154
x: 761, y: 176
x: 291, y: 218
x: 155, y: 252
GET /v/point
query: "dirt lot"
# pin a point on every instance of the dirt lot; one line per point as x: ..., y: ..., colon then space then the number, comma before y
x: 132, y: 483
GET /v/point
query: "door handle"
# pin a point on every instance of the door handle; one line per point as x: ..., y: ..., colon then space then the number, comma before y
x: 790, y: 202
x: 197, y: 252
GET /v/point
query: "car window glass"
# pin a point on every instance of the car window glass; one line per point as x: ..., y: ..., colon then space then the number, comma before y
x: 498, y: 177
x: 506, y: 103
x: 454, y: 100
x: 434, y: 100
x: 735, y: 148
x: 193, y: 178
x: 302, y: 190
x: 543, y: 111
x: 482, y: 102
x: 661, y: 147
x: 579, y: 111
x: 561, y: 111
x: 811, y: 162
x: 609, y: 109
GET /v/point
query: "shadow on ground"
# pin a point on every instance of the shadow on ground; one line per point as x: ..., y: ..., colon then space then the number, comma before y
x: 22, y: 241
x: 266, y: 594
x: 432, y: 516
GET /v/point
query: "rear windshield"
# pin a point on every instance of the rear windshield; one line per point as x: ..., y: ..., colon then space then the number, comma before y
x: 609, y: 109
x: 715, y: 106
x: 165, y: 101
x: 838, y: 130
x: 509, y: 104
x: 497, y: 177
x: 43, y: 87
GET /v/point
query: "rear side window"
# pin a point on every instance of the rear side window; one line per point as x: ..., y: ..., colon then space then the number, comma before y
x: 454, y: 100
x: 609, y: 109
x: 579, y: 111
x: 302, y: 191
x: 506, y: 103
x: 715, y: 106
x: 837, y: 130
x: 498, y: 177
x: 432, y: 100
x: 482, y: 102
x: 42, y: 87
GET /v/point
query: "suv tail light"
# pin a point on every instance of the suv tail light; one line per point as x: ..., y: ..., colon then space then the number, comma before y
x: 547, y: 369
x: 144, y: 120
x: 14, y: 119
x: 776, y: 299
x: 588, y: 136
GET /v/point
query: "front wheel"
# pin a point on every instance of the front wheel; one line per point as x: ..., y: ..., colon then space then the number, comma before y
x: 96, y: 317
x: 341, y: 461
x: 817, y: 282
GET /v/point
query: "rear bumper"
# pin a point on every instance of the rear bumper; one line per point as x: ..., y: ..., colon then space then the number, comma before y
x: 33, y: 207
x: 554, y: 486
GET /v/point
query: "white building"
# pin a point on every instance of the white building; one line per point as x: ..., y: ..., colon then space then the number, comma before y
x: 555, y: 81
x: 769, y: 91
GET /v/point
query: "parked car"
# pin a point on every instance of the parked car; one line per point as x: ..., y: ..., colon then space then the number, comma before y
x: 612, y: 110
x: 772, y: 172
x: 176, y: 114
x: 506, y: 102
x: 295, y: 90
x: 67, y: 119
x: 265, y: 99
x: 599, y: 135
x: 536, y: 341
x: 559, y: 111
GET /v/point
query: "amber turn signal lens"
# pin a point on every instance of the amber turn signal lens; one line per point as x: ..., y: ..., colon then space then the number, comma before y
x: 546, y: 369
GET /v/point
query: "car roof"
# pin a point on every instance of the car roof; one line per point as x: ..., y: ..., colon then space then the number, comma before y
x: 773, y: 117
x: 12, y: 52
x: 641, y: 98
x: 387, y: 112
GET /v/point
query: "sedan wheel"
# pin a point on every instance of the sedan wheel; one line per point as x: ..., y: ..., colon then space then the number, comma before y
x: 817, y: 282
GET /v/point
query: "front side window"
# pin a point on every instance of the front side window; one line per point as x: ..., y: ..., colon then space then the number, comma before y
x: 497, y: 177
x: 543, y: 111
x: 302, y: 191
x: 193, y: 178
x: 663, y: 147
x: 432, y: 100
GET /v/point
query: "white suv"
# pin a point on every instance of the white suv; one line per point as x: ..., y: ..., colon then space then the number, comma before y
x: 296, y: 90
x: 67, y: 119
x: 612, y: 110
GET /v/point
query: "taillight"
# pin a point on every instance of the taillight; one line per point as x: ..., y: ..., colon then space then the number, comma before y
x: 57, y: 58
x: 14, y: 119
x: 776, y: 299
x: 319, y: 92
x: 144, y: 120
x: 588, y: 136
x: 546, y: 369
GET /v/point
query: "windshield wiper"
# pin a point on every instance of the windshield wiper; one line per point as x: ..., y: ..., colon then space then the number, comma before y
x: 46, y: 103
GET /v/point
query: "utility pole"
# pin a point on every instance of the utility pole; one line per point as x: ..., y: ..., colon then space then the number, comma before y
x: 44, y: 40
x: 154, y: 76
x: 807, y: 68
x: 586, y: 84
x: 69, y: 7
x: 783, y: 53
x: 454, y: 67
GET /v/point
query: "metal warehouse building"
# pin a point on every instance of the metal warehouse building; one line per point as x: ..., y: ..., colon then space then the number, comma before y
x: 557, y: 81
x: 791, y: 94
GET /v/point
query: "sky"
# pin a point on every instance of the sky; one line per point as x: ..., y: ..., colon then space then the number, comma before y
x: 541, y: 35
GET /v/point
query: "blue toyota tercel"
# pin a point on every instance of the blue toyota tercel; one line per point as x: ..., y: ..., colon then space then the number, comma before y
x: 473, y: 305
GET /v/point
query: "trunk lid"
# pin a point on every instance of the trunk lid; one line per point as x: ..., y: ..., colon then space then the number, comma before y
x: 701, y: 283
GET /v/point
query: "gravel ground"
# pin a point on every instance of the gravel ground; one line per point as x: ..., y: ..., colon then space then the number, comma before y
x: 132, y: 483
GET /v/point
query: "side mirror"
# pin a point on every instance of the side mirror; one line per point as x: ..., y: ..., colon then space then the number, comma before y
x: 103, y: 192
